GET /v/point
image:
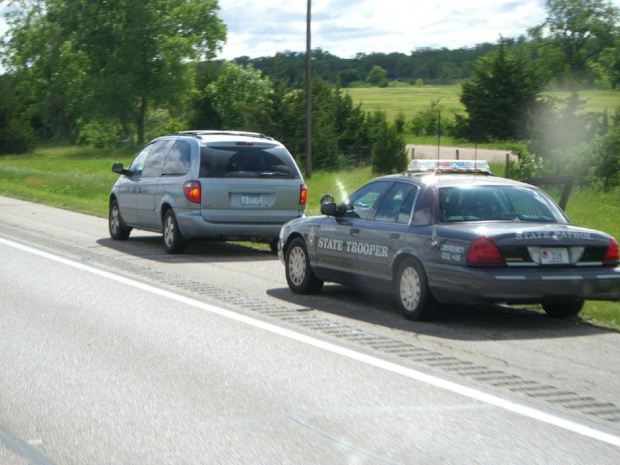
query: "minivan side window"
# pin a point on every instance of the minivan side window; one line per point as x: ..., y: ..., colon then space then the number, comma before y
x: 177, y: 161
x: 155, y: 161
x: 138, y: 163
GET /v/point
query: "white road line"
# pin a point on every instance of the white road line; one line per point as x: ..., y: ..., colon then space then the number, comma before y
x: 451, y: 386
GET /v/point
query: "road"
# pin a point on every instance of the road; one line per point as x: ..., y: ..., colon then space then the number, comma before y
x: 118, y: 353
x: 462, y: 153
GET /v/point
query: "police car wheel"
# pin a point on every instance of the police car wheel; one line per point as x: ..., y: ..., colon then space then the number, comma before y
x: 118, y: 230
x: 563, y: 308
x: 299, y: 275
x: 412, y: 292
x: 174, y: 242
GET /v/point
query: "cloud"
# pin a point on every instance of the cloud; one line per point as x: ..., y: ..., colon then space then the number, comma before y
x: 345, y: 28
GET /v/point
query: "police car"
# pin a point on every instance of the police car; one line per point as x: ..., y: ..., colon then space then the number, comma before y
x: 450, y: 232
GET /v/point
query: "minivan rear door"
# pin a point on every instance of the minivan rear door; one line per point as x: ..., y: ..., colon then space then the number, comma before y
x: 249, y: 183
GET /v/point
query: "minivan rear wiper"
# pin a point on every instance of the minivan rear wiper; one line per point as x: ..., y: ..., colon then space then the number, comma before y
x: 273, y: 174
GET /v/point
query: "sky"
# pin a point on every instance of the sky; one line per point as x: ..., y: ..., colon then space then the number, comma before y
x: 345, y: 28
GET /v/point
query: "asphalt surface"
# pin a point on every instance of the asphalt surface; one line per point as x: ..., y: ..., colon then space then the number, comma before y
x: 118, y: 353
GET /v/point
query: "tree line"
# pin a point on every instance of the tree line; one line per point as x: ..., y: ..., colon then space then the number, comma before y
x: 98, y: 73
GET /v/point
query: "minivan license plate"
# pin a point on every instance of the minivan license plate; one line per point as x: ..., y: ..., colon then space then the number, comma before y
x: 554, y: 256
x: 251, y: 199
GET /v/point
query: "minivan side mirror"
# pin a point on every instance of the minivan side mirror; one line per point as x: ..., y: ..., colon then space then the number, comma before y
x: 118, y: 168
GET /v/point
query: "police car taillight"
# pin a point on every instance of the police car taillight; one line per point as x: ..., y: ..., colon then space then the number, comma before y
x: 192, y: 191
x: 303, y: 193
x: 483, y: 251
x: 612, y: 255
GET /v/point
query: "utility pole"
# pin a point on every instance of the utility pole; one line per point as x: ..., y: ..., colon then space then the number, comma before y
x: 308, y: 94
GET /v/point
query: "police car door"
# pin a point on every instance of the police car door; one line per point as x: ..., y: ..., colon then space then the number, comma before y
x: 337, y: 238
x: 382, y: 235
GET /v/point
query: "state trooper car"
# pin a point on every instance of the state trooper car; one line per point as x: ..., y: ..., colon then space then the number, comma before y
x: 452, y: 233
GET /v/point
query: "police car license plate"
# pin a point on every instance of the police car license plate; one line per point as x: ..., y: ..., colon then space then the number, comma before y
x: 554, y: 256
x: 251, y: 199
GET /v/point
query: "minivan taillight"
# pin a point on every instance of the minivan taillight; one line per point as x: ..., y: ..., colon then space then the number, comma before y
x: 303, y: 193
x: 483, y: 251
x: 612, y: 255
x: 192, y: 191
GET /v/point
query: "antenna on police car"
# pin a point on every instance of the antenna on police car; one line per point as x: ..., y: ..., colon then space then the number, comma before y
x: 438, y: 131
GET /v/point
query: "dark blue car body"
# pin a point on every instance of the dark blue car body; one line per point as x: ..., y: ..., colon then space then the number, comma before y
x: 446, y: 238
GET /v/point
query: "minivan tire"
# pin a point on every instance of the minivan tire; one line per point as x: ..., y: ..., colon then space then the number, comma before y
x: 173, y: 240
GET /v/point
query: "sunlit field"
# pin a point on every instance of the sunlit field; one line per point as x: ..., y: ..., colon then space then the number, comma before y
x: 411, y: 99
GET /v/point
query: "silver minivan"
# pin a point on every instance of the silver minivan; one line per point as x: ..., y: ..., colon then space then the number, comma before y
x: 220, y: 185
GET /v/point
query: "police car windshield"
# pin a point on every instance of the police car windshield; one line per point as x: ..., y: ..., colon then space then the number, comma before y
x: 497, y: 203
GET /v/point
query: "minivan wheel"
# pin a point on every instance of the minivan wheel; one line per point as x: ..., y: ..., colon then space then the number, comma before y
x: 118, y: 230
x: 174, y: 242
x: 412, y: 293
x: 299, y: 275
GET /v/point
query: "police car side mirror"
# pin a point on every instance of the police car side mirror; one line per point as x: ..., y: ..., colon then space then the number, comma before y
x: 329, y: 209
x: 327, y: 198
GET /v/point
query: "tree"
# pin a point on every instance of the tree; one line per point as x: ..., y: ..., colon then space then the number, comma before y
x: 126, y: 57
x: 500, y: 98
x: 239, y: 95
x: 577, y: 31
x: 389, y: 147
x: 377, y: 76
x: 16, y: 136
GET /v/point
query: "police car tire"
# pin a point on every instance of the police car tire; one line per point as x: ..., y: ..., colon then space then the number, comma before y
x: 563, y: 308
x: 412, y: 292
x: 299, y: 275
x: 173, y: 240
x: 118, y: 229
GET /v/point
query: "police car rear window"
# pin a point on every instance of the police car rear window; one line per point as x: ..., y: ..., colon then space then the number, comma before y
x: 247, y: 162
x: 496, y: 203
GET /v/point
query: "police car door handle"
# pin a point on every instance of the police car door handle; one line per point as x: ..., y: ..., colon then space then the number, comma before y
x: 355, y: 231
x: 394, y: 236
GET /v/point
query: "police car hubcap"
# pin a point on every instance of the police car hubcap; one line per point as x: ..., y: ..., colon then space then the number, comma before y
x: 297, y: 265
x: 410, y: 289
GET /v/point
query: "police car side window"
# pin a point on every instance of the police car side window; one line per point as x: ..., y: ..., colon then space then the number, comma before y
x: 405, y: 212
x: 393, y: 202
x: 363, y: 200
x: 423, y: 209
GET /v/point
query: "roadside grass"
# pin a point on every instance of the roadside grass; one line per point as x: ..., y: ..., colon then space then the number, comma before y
x: 74, y: 178
x: 80, y: 178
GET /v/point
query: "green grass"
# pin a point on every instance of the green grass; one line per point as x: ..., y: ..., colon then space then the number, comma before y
x: 409, y: 100
x: 75, y: 178
x: 79, y: 179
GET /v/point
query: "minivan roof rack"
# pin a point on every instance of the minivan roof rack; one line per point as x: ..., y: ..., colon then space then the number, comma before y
x: 199, y: 133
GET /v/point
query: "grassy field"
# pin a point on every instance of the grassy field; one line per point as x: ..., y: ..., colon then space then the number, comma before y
x: 79, y: 179
x: 410, y: 99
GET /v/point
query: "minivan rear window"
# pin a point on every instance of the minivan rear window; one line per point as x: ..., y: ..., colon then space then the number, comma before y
x: 246, y: 162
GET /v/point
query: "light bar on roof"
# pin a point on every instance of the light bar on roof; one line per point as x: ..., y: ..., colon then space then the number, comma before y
x: 449, y: 166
